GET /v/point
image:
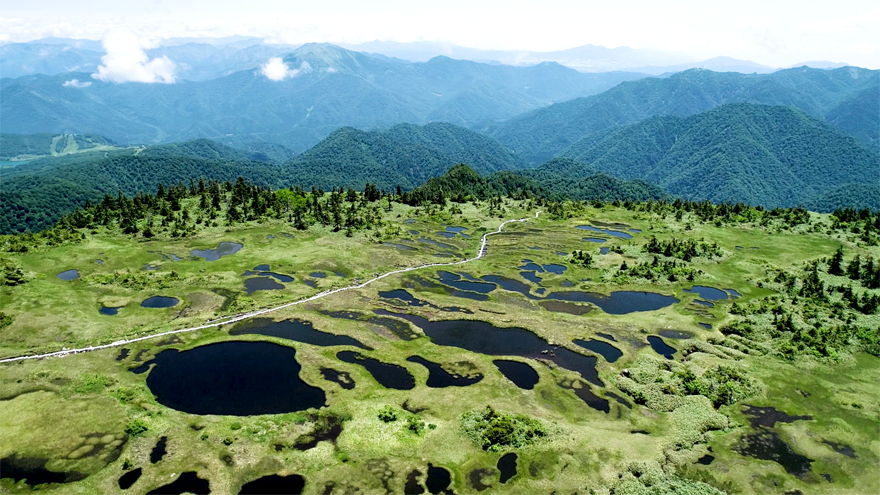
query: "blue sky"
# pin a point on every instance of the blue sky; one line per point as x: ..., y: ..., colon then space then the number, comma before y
x: 775, y: 33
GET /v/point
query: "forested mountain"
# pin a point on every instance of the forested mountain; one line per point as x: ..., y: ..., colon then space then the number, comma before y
x: 35, y: 145
x: 833, y: 94
x: 757, y: 154
x: 325, y: 88
x: 404, y: 155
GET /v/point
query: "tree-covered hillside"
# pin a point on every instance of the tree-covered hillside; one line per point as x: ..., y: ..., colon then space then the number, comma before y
x: 25, y: 146
x: 404, y: 155
x: 762, y: 155
x: 541, y: 134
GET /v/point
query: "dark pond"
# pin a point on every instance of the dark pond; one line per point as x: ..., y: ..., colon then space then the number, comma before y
x: 188, y: 482
x: 255, y: 284
x: 582, y: 390
x: 606, y: 350
x: 564, y: 307
x: 318, y: 275
x: 606, y: 336
x: 734, y: 294
x: 841, y: 448
x: 385, y: 327
x: 710, y: 293
x: 152, y: 267
x: 412, y: 486
x: 567, y: 283
x: 706, y: 459
x: 440, y: 378
x: 767, y: 445
x: 739, y: 247
x: 123, y: 353
x: 403, y: 295
x: 286, y: 235
x: 476, y: 477
x: 425, y: 240
x: 413, y: 232
x: 676, y: 334
x: 455, y: 280
x: 521, y: 374
x: 159, y: 302
x: 554, y: 268
x: 388, y: 375
x: 109, y: 311
x: 615, y: 233
x: 262, y: 268
x: 769, y: 416
x: 604, y: 250
x: 311, y: 283
x: 531, y: 266
x: 68, y: 275
x: 409, y: 221
x: 661, y: 347
x: 531, y: 277
x: 277, y: 276
x: 707, y: 326
x: 540, y: 291
x: 486, y: 338
x: 275, y: 485
x: 342, y: 378
x: 619, y: 399
x: 158, y: 451
x: 597, y: 240
x: 296, y: 330
x: 635, y: 231
x: 508, y: 284
x: 100, y: 262
x: 33, y: 471
x: 507, y: 466
x: 232, y: 378
x: 453, y: 231
x: 704, y: 303
x: 402, y: 247
x: 325, y: 430
x: 438, y: 479
x: 618, y: 303
x: 129, y: 478
x: 223, y: 249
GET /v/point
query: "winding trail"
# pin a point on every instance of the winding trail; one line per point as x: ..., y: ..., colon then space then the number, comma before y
x: 229, y: 320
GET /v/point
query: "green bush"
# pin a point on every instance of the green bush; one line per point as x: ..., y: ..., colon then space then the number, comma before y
x: 493, y: 431
x: 136, y: 428
x: 387, y: 414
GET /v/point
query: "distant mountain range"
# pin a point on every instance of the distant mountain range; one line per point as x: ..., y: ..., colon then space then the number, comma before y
x: 330, y: 88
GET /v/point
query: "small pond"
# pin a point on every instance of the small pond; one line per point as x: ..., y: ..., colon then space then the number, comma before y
x: 734, y: 294
x: 521, y: 374
x: 432, y: 242
x: 342, y: 378
x: 126, y: 480
x: 676, y: 334
x: 661, y: 347
x: 614, y: 233
x: 767, y: 445
x: 223, y: 249
x: 452, y: 231
x: 232, y: 378
x: 597, y: 240
x: 438, y: 479
x: 531, y: 277
x: 255, y: 284
x: 292, y: 484
x: 710, y: 293
x: 440, y: 378
x: 604, y: 250
x: 455, y: 280
x: 507, y: 466
x: 160, y: 302
x: 707, y: 326
x: 110, y: 311
x: 159, y: 451
x: 33, y: 470
x: 68, y: 275
x: 188, y: 482
x: 402, y: 247
x: 296, y: 330
x: 388, y: 375
x: 604, y: 349
x: 485, y: 338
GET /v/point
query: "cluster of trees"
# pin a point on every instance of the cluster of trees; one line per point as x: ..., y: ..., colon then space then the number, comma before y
x: 864, y: 223
x: 683, y: 249
x: 582, y: 258
x: 494, y: 431
x: 670, y: 270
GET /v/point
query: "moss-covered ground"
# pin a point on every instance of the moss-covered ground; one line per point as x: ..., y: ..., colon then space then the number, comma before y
x: 80, y: 413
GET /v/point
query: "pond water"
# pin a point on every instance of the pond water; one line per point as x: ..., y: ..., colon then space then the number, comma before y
x: 222, y: 249
x: 620, y: 302
x: 126, y: 480
x: 33, y: 471
x: 661, y: 347
x: 438, y: 479
x: 232, y: 378
x: 606, y: 336
x: 564, y: 307
x: 734, y: 294
x: 296, y: 330
x: 68, y: 275
x: 620, y: 400
x: 531, y: 277
x: 554, y: 268
x: 841, y: 448
x: 455, y: 280
x: 597, y: 240
x: 255, y: 284
x: 277, y: 276
x: 292, y: 484
x: 507, y: 466
x: 413, y: 232
x: 635, y: 231
x: 452, y: 231
x: 99, y: 261
x: 188, y: 482
x: 402, y: 247
x: 318, y: 275
x: 582, y: 390
x: 567, y: 283
x: 110, y: 311
x: 158, y: 451
x: 604, y: 349
x: 710, y: 293
x: 311, y: 283
x: 703, y: 303
x: 676, y: 334
x: 603, y: 250
x: 152, y: 267
x: 509, y: 284
x: 123, y: 353
x: 432, y: 242
x: 614, y: 233
x: 521, y: 374
x: 485, y: 338
x: 769, y: 416
x: 706, y: 459
x: 159, y: 302
x: 440, y: 378
x: 707, y: 326
x: 767, y: 445
x: 388, y: 375
x: 342, y: 378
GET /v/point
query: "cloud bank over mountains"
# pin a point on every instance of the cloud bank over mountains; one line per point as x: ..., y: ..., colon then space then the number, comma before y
x: 277, y: 69
x: 126, y: 61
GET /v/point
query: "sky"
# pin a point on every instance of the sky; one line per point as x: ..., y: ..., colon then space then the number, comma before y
x: 774, y: 33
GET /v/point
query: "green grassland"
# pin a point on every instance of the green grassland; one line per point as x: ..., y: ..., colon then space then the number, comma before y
x: 54, y: 408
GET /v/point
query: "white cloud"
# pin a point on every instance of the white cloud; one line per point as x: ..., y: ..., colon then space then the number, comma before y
x: 126, y: 61
x: 75, y: 83
x: 277, y: 69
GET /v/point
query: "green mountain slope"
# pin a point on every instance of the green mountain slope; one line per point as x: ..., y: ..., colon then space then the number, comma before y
x: 541, y: 134
x: 27, y: 146
x: 757, y: 154
x: 406, y: 155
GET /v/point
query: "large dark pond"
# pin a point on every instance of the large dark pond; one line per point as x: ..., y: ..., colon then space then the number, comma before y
x: 661, y: 347
x: 486, y: 338
x: 296, y: 330
x: 388, y: 375
x: 620, y: 302
x: 438, y: 479
x: 33, y: 471
x: 440, y: 378
x: 710, y: 293
x: 232, y: 378
x: 68, y: 275
x: 223, y: 249
x: 606, y: 350
x: 126, y: 480
x: 275, y: 485
x: 255, y: 284
x: 159, y: 302
x: 521, y: 374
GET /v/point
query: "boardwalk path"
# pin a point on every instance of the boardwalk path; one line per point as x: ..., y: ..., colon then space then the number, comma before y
x: 234, y: 319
